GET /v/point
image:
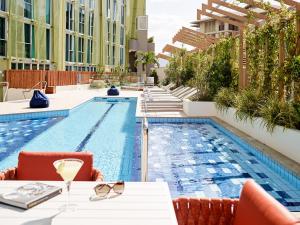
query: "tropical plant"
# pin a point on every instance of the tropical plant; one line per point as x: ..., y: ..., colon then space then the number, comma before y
x: 225, y: 99
x: 154, y: 74
x: 146, y: 58
x: 150, y: 39
x: 248, y: 103
x: 275, y: 112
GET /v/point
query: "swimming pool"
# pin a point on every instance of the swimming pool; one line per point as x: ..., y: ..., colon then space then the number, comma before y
x: 197, y: 157
x: 200, y: 158
x: 104, y: 126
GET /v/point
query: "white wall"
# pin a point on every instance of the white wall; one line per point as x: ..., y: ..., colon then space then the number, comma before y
x: 202, y: 109
x: 285, y: 141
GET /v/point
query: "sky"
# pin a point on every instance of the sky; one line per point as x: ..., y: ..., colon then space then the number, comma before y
x: 166, y: 17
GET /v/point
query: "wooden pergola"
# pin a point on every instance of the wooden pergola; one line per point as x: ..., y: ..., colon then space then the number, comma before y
x: 163, y: 56
x: 193, y: 38
x: 170, y: 49
x: 253, y: 13
x: 240, y: 17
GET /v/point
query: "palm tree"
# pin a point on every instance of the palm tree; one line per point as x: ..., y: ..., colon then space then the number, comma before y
x: 146, y: 58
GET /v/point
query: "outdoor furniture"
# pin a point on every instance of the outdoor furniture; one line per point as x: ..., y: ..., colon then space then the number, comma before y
x: 39, y: 100
x: 141, y: 203
x: 39, y: 166
x: 113, y: 91
x: 255, y: 206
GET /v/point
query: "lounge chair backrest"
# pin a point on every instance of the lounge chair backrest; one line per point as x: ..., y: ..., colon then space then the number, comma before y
x: 182, y: 91
x: 256, y: 206
x: 176, y: 89
x: 182, y: 95
x: 39, y: 165
x: 191, y: 93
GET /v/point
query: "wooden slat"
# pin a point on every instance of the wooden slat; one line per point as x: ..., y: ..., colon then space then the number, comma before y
x: 220, y: 18
x: 238, y: 9
x: 231, y: 15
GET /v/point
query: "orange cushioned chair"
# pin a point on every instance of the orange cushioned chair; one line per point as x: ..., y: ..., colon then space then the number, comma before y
x: 39, y: 166
x: 255, y: 207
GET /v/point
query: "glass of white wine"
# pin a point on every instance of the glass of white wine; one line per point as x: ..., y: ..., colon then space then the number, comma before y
x: 68, y: 169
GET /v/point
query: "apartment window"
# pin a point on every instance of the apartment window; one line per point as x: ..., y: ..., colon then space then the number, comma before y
x: 81, y: 20
x: 92, y: 4
x: 91, y: 23
x: 28, y: 9
x: 70, y: 49
x: 122, y: 14
x: 2, y: 36
x: 107, y: 54
x: 114, y: 31
x: 122, y: 36
x: 115, y: 10
x: 3, y: 5
x: 29, y: 40
x: 27, y: 66
x: 210, y: 26
x: 80, y: 49
x: 121, y: 56
x: 34, y: 66
x: 90, y: 51
x: 221, y: 27
x: 48, y: 44
x: 20, y: 66
x: 108, y: 8
x: 81, y: 2
x: 108, y: 30
x: 113, y: 54
x: 48, y: 11
x: 13, y: 66
x: 69, y: 16
x: 232, y: 27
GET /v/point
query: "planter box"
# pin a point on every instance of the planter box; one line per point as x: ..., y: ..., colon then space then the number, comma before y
x: 201, y: 109
x: 285, y: 141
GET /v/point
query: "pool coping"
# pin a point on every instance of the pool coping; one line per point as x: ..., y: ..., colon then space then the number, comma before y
x: 276, y: 159
x: 59, y: 112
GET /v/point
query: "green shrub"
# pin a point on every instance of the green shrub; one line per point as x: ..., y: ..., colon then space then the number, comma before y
x: 166, y: 81
x: 98, y: 84
x: 154, y: 74
x: 225, y: 99
x: 248, y: 103
x: 276, y: 112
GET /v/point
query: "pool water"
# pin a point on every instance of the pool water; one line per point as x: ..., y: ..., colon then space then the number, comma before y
x: 104, y: 127
x: 197, y: 158
x: 200, y: 160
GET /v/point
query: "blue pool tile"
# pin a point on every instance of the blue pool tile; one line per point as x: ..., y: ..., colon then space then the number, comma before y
x: 222, y: 162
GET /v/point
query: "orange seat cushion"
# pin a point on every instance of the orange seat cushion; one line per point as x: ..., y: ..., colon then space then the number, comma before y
x: 39, y: 165
x: 257, y: 207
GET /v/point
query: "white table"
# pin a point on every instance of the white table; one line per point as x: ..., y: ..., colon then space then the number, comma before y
x: 141, y: 203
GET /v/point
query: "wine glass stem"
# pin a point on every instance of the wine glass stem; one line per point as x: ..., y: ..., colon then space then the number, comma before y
x: 68, y: 189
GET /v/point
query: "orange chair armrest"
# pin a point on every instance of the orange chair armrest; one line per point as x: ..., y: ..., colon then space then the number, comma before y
x: 9, y: 174
x: 97, y: 175
x: 205, y: 211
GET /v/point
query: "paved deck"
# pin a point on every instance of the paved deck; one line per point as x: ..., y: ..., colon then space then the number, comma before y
x: 65, y: 100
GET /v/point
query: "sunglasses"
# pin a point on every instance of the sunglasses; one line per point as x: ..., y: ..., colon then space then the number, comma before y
x: 102, y: 190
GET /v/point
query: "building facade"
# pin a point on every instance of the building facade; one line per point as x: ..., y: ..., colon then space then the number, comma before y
x: 215, y: 28
x: 79, y: 35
